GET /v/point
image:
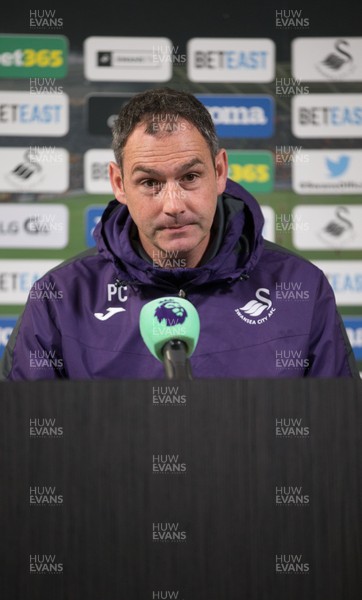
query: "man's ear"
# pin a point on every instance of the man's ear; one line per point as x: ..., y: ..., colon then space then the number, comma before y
x: 116, y: 180
x: 221, y: 168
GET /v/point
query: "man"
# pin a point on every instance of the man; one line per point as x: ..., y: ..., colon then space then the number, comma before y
x: 179, y: 227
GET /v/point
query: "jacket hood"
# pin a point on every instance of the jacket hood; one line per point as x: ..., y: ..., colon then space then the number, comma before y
x: 238, y: 223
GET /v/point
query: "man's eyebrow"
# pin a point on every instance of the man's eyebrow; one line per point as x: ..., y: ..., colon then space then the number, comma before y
x: 155, y: 173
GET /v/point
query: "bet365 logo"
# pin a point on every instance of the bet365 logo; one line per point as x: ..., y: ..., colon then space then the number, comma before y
x: 24, y: 56
x: 252, y: 170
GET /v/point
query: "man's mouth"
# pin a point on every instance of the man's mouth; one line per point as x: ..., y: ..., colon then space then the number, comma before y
x: 176, y: 227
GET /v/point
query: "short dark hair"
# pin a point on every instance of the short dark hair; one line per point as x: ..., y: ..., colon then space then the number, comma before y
x: 161, y: 102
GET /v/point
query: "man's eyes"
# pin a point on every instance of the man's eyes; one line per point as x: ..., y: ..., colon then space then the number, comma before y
x: 155, y: 183
x: 190, y: 177
x: 152, y: 184
x: 156, y: 186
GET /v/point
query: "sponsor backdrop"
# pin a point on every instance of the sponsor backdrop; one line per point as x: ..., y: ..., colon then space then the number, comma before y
x: 283, y: 87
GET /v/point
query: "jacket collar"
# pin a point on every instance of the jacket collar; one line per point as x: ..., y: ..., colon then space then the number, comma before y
x: 238, y: 243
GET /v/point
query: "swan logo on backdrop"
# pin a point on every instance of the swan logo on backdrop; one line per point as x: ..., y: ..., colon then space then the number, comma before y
x: 327, y: 172
x: 258, y: 310
x: 328, y: 58
x: 226, y: 59
x: 332, y: 226
x: 338, y: 63
x: 338, y: 230
x: 34, y: 169
x: 23, y: 113
x: 241, y: 116
x: 23, y: 56
x: 128, y: 58
x: 327, y: 115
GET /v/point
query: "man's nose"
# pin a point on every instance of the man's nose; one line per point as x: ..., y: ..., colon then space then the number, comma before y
x: 173, y: 198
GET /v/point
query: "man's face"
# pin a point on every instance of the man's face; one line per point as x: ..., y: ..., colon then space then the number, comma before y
x: 170, y: 185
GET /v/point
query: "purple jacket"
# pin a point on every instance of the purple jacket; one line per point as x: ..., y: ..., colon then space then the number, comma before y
x: 264, y: 311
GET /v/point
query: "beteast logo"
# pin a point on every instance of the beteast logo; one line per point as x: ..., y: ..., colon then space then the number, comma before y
x: 22, y: 113
x: 254, y: 308
x: 226, y: 60
x: 327, y: 115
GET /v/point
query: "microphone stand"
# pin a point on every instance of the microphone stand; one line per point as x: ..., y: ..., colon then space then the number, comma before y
x: 176, y: 363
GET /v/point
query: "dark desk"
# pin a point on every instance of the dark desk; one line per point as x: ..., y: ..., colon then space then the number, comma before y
x: 213, y: 490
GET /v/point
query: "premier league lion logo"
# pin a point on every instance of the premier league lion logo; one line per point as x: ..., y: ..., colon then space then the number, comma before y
x: 171, y: 311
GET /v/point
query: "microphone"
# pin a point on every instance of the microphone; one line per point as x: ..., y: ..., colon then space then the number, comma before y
x: 170, y: 328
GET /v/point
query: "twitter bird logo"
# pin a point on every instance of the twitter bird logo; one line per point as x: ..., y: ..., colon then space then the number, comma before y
x: 337, y: 167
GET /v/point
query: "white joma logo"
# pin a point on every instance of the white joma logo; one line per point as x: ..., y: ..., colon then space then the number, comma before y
x: 109, y: 313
